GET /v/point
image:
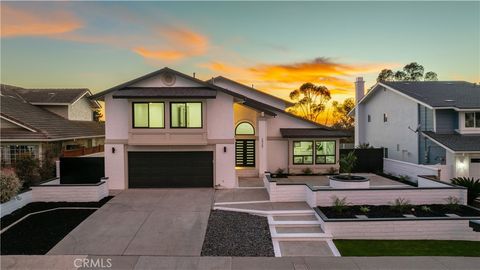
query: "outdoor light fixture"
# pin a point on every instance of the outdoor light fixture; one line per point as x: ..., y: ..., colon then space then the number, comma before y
x: 224, y: 149
x: 113, y: 150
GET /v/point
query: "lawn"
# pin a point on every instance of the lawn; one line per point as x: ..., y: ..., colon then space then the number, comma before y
x: 408, y: 248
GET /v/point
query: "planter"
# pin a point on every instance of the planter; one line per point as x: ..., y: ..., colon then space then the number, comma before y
x: 354, y: 181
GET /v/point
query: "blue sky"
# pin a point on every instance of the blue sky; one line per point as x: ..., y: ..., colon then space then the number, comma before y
x: 276, y: 46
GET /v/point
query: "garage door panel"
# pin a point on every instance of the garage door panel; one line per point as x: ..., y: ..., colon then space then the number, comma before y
x: 170, y: 169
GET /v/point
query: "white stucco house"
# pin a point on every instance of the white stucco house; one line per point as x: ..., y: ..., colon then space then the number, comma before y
x: 428, y: 123
x: 168, y: 129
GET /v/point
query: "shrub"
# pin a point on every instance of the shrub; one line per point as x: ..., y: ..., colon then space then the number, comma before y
x: 307, y: 171
x: 339, y: 205
x: 280, y: 171
x: 26, y: 168
x: 426, y: 209
x: 400, y: 204
x: 453, y: 203
x: 364, y: 146
x: 348, y: 162
x: 404, y: 178
x: 47, y: 169
x: 471, y: 184
x: 364, y: 209
x: 9, y: 185
x: 332, y: 170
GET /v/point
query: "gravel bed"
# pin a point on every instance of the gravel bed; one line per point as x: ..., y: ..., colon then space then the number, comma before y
x: 237, y: 234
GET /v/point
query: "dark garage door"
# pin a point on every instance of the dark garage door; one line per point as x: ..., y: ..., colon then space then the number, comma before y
x: 170, y: 169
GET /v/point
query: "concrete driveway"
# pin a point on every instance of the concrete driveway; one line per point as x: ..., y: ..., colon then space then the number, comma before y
x: 165, y: 222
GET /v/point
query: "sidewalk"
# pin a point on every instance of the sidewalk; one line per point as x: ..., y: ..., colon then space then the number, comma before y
x: 235, y: 263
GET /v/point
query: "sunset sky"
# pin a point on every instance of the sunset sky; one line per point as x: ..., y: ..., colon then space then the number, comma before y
x: 274, y: 46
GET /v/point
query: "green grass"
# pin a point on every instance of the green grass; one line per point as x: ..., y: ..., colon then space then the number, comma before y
x: 408, y: 248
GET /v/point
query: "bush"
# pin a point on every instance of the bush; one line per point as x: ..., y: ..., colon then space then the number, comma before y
x: 339, y: 205
x: 47, y: 170
x: 400, y: 204
x: 348, y: 162
x: 332, y: 170
x: 26, y: 168
x: 10, y: 185
x: 471, y: 184
x: 453, y: 203
x: 364, y: 209
x: 280, y: 171
x: 307, y: 171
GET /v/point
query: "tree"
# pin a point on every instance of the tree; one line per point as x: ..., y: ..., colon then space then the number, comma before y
x: 411, y: 72
x: 310, y: 100
x: 97, y: 115
x: 340, y: 113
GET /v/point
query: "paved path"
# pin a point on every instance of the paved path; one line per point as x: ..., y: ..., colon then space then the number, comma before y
x: 166, y: 222
x: 237, y: 263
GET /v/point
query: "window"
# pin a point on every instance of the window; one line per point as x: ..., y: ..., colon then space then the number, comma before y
x: 325, y: 152
x: 11, y: 153
x: 369, y: 118
x: 245, y: 128
x: 385, y: 117
x: 303, y: 152
x: 472, y: 119
x: 186, y: 114
x: 148, y: 114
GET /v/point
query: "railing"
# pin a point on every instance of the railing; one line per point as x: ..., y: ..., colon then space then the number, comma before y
x: 83, y: 151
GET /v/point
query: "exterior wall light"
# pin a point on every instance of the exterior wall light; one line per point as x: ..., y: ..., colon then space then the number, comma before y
x: 113, y: 150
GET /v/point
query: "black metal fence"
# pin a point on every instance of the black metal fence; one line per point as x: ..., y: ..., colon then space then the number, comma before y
x: 81, y: 170
x: 368, y: 160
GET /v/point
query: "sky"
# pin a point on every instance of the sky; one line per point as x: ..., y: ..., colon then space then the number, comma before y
x: 274, y: 46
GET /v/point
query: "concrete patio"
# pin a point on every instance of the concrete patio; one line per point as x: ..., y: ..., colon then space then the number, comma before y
x: 322, y: 180
x: 166, y: 222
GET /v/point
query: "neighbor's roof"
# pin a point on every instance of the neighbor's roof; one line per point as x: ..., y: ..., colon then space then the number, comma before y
x: 40, y: 124
x: 165, y: 92
x: 47, y: 96
x: 313, y: 133
x: 455, y: 142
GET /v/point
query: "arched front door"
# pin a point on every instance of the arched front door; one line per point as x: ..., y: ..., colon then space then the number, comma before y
x: 245, y: 145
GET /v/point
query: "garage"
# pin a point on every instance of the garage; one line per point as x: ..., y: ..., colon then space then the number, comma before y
x: 170, y: 169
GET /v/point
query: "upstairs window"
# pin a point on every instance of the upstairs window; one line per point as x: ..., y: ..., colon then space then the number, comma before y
x: 472, y: 119
x: 303, y: 152
x: 186, y: 115
x: 245, y: 128
x: 148, y: 115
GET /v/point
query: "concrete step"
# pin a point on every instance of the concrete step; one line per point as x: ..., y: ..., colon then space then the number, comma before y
x: 305, y: 248
x: 298, y: 229
x: 295, y: 218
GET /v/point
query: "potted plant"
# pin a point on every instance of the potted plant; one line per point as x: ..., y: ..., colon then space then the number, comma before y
x: 346, y: 179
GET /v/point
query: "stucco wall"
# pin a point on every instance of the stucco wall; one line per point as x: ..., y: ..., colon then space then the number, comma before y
x: 220, y: 117
x: 277, y: 154
x: 402, y: 113
x: 80, y: 110
x: 116, y: 118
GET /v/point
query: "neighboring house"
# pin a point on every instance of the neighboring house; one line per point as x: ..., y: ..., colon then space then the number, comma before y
x: 34, y: 120
x: 423, y: 123
x: 168, y: 129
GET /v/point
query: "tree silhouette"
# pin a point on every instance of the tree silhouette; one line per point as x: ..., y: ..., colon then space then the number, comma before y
x: 310, y: 100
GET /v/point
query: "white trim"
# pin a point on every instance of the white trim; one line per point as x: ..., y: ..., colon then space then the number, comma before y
x: 47, y: 103
x: 241, y: 202
x: 434, y: 120
x: 276, y: 247
x: 333, y: 248
x: 81, y: 96
x: 18, y: 124
x: 52, y: 140
x: 264, y: 212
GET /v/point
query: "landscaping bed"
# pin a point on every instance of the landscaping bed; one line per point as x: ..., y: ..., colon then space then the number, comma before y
x: 408, y: 248
x: 237, y: 234
x: 389, y: 211
x: 39, y: 232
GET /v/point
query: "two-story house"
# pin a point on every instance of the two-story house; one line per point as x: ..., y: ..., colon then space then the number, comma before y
x: 38, y: 120
x: 168, y: 129
x: 423, y: 123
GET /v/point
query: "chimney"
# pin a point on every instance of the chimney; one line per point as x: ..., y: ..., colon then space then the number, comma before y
x: 359, y: 89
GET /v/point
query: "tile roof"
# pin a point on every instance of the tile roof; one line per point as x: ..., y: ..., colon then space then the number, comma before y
x: 48, y: 126
x: 165, y: 92
x: 313, y: 133
x: 456, y: 94
x: 456, y: 142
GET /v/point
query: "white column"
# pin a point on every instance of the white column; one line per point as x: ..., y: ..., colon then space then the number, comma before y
x: 262, y: 146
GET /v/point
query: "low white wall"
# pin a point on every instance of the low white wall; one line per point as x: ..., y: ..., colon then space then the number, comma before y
x: 424, y: 182
x: 408, y: 229
x: 385, y: 196
x: 17, y: 202
x: 70, y: 193
x: 412, y: 170
x: 286, y: 193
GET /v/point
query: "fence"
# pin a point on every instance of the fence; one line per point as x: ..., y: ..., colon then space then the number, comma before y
x: 82, y: 151
x: 368, y: 160
x: 81, y: 170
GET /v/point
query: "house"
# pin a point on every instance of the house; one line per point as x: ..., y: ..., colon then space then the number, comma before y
x: 168, y: 129
x: 425, y: 123
x: 34, y: 120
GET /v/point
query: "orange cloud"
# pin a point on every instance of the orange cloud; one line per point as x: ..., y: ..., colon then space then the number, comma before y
x: 178, y: 44
x: 26, y: 22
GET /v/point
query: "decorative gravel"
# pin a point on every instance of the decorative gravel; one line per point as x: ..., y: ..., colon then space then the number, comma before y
x: 237, y: 234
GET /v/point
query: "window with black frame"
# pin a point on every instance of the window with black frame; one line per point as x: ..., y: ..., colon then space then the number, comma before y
x: 186, y: 115
x: 148, y: 115
x: 325, y: 152
x: 303, y: 152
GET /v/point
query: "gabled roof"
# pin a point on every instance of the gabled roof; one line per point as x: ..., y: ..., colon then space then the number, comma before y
x: 48, y: 96
x: 244, y: 100
x: 35, y: 123
x: 458, y: 95
x: 455, y: 142
x: 287, y: 103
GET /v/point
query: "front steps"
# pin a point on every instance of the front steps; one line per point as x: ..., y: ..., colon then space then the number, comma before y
x: 299, y: 234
